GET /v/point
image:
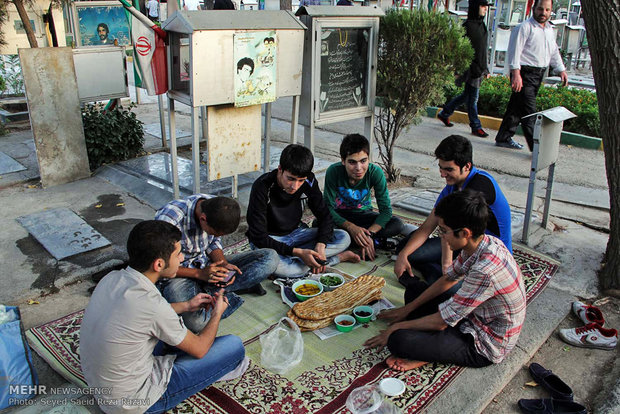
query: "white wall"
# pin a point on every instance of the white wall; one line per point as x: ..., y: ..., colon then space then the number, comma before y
x: 16, y: 40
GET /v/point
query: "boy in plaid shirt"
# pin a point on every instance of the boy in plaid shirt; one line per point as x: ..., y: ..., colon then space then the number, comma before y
x: 480, y: 324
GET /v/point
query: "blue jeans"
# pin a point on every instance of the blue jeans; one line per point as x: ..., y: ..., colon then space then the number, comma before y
x: 427, y: 260
x: 305, y: 238
x: 470, y: 97
x: 366, y: 218
x: 190, y: 375
x: 255, y: 266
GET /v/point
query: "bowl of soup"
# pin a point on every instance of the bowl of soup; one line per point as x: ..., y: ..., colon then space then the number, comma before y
x: 306, y: 289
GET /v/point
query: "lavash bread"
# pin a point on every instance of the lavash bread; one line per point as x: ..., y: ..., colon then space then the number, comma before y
x: 318, y: 312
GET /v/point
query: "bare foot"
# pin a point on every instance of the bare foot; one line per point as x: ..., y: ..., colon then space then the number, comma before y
x: 401, y: 364
x: 349, y: 256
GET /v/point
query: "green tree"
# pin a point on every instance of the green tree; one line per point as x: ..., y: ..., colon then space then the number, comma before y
x: 419, y: 52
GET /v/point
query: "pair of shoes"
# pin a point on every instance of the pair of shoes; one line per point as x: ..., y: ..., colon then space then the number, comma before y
x: 257, y: 289
x: 479, y: 133
x: 591, y: 335
x: 445, y: 120
x: 511, y: 143
x: 550, y: 406
x: 551, y: 382
x: 588, y: 313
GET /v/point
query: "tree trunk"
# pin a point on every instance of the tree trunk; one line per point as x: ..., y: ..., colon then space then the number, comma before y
x: 602, y: 19
x: 286, y: 5
x: 23, y: 15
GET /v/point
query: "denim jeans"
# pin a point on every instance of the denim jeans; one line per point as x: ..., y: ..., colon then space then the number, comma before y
x: 305, y: 238
x: 470, y: 97
x: 427, y: 260
x: 366, y: 218
x: 255, y: 266
x: 190, y: 375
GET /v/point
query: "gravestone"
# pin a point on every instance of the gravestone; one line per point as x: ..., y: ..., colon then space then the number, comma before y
x: 62, y: 232
x: 55, y: 115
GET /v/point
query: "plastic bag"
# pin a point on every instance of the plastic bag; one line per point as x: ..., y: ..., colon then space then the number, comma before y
x: 282, y: 347
x: 364, y: 400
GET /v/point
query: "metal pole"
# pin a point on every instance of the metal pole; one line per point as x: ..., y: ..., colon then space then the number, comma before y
x: 494, y: 42
x: 162, y: 121
x: 369, y: 132
x: 309, y: 136
x: 295, y: 118
x: 267, y: 140
x: 235, y: 186
x: 548, y: 195
x: 173, y: 149
x: 531, y: 191
x: 195, y: 150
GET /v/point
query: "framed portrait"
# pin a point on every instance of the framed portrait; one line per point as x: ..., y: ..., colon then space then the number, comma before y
x: 100, y: 23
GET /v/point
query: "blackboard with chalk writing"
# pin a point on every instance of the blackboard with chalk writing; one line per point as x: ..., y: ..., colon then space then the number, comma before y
x: 344, y: 68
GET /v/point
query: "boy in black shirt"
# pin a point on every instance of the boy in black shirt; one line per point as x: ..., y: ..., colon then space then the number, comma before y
x: 274, y: 218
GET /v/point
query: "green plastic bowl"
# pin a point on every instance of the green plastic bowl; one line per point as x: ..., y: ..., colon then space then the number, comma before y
x: 307, y: 282
x: 344, y: 328
x: 328, y: 288
x: 363, y: 319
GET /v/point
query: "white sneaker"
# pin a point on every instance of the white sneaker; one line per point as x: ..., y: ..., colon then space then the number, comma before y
x: 588, y: 313
x: 590, y: 336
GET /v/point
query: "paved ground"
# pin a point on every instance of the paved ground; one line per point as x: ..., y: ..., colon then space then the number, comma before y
x: 574, y: 236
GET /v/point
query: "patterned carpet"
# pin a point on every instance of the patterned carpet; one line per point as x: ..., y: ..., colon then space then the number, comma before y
x: 330, y: 369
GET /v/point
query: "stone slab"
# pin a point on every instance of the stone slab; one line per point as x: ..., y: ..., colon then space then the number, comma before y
x: 9, y: 165
x: 55, y: 115
x: 62, y: 232
x: 155, y: 130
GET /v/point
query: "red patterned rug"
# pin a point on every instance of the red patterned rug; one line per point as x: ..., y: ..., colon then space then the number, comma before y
x: 330, y: 368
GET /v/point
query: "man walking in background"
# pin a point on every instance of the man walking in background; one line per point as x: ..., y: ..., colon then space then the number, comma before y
x: 531, y: 49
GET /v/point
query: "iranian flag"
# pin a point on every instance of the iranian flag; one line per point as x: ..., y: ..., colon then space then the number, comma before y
x: 149, y: 51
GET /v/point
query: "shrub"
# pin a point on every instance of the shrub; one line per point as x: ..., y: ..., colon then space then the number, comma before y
x: 495, y: 93
x: 111, y: 134
x: 419, y: 52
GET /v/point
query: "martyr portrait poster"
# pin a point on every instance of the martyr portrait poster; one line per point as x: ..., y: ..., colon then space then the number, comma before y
x: 255, y: 67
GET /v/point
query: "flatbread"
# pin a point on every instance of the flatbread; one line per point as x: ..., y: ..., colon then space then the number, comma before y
x: 360, y: 291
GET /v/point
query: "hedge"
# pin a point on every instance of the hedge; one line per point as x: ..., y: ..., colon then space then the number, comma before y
x: 495, y: 93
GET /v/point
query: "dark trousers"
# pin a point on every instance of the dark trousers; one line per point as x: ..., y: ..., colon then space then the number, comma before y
x: 521, y: 104
x: 366, y: 218
x: 450, y: 346
x: 427, y: 260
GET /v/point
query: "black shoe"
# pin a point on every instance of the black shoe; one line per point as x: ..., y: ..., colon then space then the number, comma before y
x: 257, y: 289
x: 445, y: 120
x: 558, y: 388
x: 511, y: 143
x: 551, y: 406
x: 479, y: 133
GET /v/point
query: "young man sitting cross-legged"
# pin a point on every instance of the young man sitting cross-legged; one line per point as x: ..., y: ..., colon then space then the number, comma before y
x: 274, y: 218
x: 348, y: 186
x: 480, y: 324
x: 127, y: 317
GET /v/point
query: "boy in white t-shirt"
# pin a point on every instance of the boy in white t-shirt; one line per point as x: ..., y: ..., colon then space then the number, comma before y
x: 127, y: 318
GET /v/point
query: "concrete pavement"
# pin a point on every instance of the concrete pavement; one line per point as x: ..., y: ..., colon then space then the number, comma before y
x: 579, y: 199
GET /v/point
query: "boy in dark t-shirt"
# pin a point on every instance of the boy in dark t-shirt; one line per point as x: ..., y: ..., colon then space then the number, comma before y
x: 274, y: 218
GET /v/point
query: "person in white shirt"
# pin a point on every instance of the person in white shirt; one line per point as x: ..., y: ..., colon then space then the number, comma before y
x: 191, y: 5
x: 531, y: 50
x: 127, y: 322
x: 153, y: 9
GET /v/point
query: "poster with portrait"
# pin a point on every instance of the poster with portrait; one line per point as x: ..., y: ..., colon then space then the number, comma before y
x: 255, y: 67
x: 100, y: 23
